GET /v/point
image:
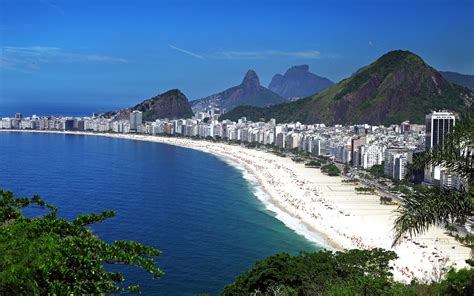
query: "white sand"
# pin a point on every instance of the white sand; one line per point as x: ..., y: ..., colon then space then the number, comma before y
x: 329, y: 212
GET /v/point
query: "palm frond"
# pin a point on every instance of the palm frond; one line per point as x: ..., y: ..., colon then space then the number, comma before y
x: 456, y: 153
x: 434, y: 206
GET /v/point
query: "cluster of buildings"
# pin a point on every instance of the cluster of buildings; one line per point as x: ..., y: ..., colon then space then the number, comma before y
x: 361, y: 146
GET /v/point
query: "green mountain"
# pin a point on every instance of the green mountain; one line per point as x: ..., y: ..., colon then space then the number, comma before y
x: 249, y: 92
x: 458, y: 78
x: 398, y: 86
x: 172, y: 104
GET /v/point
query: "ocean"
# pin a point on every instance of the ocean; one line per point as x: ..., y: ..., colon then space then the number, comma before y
x: 199, y: 210
x: 8, y: 108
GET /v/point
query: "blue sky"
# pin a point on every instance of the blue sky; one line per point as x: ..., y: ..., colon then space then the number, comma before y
x: 116, y: 53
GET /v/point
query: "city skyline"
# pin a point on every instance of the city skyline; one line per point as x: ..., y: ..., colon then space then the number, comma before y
x: 358, y: 145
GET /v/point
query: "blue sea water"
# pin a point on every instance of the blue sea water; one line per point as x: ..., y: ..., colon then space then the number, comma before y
x: 197, y: 209
x: 8, y: 108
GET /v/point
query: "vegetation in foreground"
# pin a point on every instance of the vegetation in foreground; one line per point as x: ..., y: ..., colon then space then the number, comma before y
x: 49, y: 255
x: 354, y: 272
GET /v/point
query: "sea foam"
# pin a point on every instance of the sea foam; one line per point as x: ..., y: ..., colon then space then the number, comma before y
x: 291, y: 222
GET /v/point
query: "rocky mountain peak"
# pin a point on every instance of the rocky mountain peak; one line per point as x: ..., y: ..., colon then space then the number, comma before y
x: 298, y: 82
x: 249, y: 93
x: 297, y: 69
x: 251, y: 80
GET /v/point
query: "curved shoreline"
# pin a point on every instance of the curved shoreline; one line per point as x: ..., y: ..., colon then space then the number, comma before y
x: 309, y: 232
x: 272, y: 205
x: 331, y: 212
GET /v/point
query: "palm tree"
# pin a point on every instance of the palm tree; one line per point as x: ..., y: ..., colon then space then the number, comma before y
x: 437, y: 206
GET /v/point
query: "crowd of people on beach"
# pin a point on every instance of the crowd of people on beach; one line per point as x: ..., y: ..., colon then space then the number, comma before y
x: 328, y: 210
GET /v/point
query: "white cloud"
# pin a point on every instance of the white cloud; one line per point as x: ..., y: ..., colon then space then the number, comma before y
x: 50, y: 4
x: 371, y: 43
x: 190, y: 53
x: 33, y: 57
x: 307, y: 54
x: 303, y: 54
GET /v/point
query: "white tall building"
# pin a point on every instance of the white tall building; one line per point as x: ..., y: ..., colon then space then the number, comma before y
x: 370, y: 155
x: 292, y: 140
x: 136, y: 119
x: 438, y: 125
x: 280, y: 140
x: 396, y: 161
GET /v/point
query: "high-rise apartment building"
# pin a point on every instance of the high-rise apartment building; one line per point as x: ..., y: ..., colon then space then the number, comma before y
x: 355, y: 144
x: 136, y: 119
x: 438, y: 125
x: 396, y: 161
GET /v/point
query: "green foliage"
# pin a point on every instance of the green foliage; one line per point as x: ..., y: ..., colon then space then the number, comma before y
x: 352, y: 181
x: 466, y: 240
x: 382, y: 67
x: 170, y: 104
x: 277, y: 152
x: 318, y: 273
x: 323, y: 159
x: 282, y: 112
x: 364, y: 190
x: 297, y: 159
x: 458, y: 283
x: 49, y: 255
x: 330, y: 170
x: 385, y: 200
x: 353, y: 272
x: 313, y: 164
x: 400, y: 188
x: 377, y: 170
x: 451, y: 228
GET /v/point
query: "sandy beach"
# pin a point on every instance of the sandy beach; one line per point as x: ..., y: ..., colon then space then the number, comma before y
x: 329, y: 212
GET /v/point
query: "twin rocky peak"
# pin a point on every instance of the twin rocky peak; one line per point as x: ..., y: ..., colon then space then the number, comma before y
x: 297, y: 82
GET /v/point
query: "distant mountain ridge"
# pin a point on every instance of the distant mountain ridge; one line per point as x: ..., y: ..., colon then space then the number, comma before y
x: 249, y: 92
x: 458, y: 78
x: 396, y: 87
x: 298, y: 82
x: 172, y: 104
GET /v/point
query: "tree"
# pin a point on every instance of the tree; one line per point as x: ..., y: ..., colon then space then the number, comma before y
x: 313, y: 164
x: 437, y: 206
x: 49, y: 255
x: 377, y: 170
x: 347, y: 169
x: 330, y: 169
x: 385, y: 200
x: 351, y: 272
x: 458, y: 283
x: 367, y: 272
